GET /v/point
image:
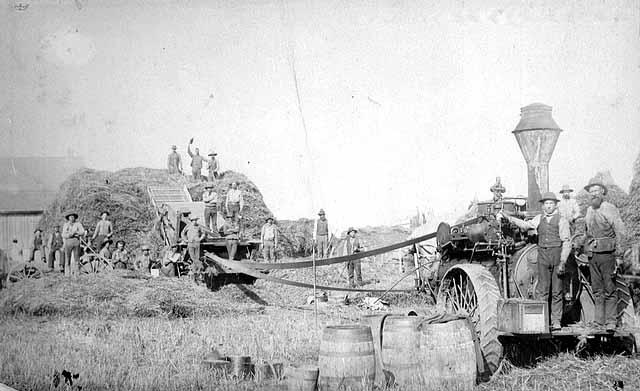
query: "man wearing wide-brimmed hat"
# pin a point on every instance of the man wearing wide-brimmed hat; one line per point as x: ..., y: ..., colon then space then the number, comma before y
x: 196, y: 162
x: 103, y: 231
x: 605, y: 230
x: 54, y: 245
x: 193, y: 234
x: 234, y: 203
x: 38, y: 245
x: 213, y: 166
x: 72, y: 231
x: 120, y: 256
x: 352, y: 246
x: 321, y: 234
x: 554, y: 246
x: 174, y: 162
x: 568, y: 207
x: 269, y: 238
x: 210, y: 199
x: 231, y: 232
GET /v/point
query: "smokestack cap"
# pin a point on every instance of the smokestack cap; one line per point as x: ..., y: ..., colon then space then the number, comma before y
x: 536, y: 116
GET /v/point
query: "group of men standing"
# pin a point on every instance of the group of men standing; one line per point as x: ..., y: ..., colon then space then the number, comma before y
x: 174, y: 163
x: 604, y: 230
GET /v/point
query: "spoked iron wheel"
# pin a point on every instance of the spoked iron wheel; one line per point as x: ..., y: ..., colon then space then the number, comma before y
x: 471, y: 290
x: 94, y: 264
x: 23, y: 272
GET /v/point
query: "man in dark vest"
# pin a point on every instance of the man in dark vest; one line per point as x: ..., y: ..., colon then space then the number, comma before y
x: 351, y: 246
x: 554, y: 246
x: 54, y: 243
x: 321, y: 234
x: 605, y: 229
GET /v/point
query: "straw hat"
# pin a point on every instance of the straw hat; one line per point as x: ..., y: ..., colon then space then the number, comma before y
x: 208, y: 185
x: 548, y: 196
x: 103, y: 212
x: 566, y: 189
x: 212, y: 153
x: 145, y: 247
x: 595, y: 182
x: 121, y: 241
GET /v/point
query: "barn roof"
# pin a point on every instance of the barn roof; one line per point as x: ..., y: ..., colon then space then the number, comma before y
x: 29, y: 184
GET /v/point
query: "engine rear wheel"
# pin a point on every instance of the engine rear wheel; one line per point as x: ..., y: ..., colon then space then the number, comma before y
x: 471, y: 290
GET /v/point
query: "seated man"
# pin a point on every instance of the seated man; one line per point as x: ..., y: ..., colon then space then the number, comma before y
x: 120, y: 256
x: 169, y: 261
x: 144, y: 261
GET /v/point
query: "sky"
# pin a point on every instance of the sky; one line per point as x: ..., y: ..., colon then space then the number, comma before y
x: 368, y: 109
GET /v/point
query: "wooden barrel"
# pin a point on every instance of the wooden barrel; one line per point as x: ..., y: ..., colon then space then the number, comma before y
x: 302, y: 378
x: 346, y: 358
x: 401, y: 348
x: 447, y: 355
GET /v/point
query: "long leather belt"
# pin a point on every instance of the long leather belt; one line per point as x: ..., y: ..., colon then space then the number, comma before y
x: 241, y: 268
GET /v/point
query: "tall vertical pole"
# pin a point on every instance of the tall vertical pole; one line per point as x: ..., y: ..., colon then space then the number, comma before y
x: 315, y: 296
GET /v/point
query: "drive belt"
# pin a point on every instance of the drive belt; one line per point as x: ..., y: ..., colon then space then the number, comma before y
x: 241, y: 267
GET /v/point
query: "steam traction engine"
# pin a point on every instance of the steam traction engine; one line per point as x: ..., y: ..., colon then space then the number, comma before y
x: 487, y: 267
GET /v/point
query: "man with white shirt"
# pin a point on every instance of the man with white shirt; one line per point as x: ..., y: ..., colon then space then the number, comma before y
x: 210, y: 199
x: 234, y: 202
x: 554, y: 246
x: 568, y: 207
x: 351, y: 246
x: 269, y: 238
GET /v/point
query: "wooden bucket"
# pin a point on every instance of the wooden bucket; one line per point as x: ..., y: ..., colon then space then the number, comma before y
x: 346, y: 358
x: 447, y: 355
x: 401, y: 348
x: 302, y: 378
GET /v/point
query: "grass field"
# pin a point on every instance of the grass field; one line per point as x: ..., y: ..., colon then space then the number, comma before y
x: 95, y: 327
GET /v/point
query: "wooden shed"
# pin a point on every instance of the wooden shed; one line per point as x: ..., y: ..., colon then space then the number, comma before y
x: 27, y: 186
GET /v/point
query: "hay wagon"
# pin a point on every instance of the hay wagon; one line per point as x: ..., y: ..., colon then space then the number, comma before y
x: 174, y: 206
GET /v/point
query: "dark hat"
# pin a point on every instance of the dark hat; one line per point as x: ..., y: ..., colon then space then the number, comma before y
x: 37, y: 229
x: 105, y: 242
x: 208, y: 185
x: 566, y: 189
x: 351, y: 229
x: 548, y: 196
x: 321, y: 213
x: 595, y: 182
x: 104, y: 211
x: 269, y: 218
x: 66, y: 216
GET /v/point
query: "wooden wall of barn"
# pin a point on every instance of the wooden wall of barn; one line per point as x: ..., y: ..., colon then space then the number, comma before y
x: 19, y: 226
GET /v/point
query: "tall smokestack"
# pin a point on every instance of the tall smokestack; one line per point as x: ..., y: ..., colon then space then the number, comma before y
x: 537, y: 134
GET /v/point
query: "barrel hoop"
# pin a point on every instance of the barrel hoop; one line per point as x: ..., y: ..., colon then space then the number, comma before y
x: 330, y: 379
x: 340, y: 337
x: 326, y: 353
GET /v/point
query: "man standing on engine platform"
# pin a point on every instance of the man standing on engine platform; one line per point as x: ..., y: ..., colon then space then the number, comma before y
x: 568, y: 207
x: 210, y: 199
x: 605, y: 230
x: 554, y: 246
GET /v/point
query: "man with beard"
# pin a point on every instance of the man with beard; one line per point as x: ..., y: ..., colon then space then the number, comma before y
x: 605, y: 229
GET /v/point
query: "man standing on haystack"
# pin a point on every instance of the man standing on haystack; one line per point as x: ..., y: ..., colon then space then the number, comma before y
x: 352, y: 246
x: 193, y: 234
x: 321, y: 235
x: 568, y: 207
x: 213, y: 166
x: 210, y: 199
x: 174, y: 162
x: 54, y: 244
x: 554, y: 247
x: 605, y: 230
x: 235, y: 201
x: 72, y: 231
x: 103, y: 231
x: 196, y: 162
x: 269, y: 238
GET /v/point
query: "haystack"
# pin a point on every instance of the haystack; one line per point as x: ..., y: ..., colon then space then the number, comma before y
x: 296, y: 237
x: 124, y: 194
